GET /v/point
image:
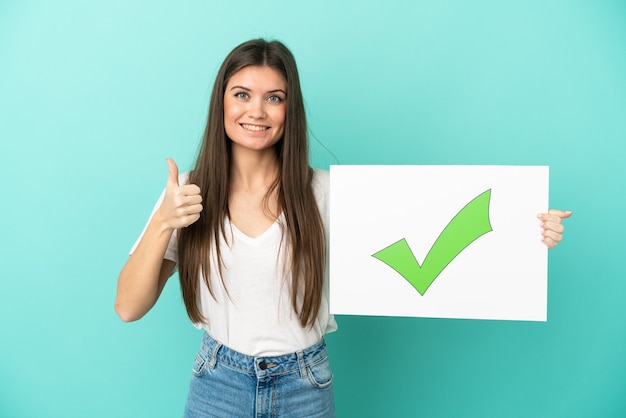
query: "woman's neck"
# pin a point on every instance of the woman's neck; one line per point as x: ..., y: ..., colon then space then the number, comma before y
x: 253, y: 170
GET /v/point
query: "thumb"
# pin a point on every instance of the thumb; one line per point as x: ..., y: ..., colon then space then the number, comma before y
x: 560, y: 213
x: 172, y: 178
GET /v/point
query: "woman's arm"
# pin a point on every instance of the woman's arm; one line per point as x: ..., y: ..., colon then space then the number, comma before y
x: 552, y: 226
x: 145, y: 273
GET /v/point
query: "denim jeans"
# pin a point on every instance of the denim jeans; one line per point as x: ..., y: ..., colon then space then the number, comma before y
x: 229, y: 384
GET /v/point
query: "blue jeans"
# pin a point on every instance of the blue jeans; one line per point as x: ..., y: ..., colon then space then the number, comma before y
x: 229, y: 384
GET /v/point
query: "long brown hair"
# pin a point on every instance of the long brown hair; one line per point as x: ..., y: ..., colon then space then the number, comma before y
x: 303, y: 229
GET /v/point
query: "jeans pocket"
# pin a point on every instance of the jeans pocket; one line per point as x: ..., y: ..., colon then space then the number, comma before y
x: 320, y: 374
x: 199, y: 363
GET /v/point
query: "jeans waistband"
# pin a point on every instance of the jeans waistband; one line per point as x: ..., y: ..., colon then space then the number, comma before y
x: 263, y: 366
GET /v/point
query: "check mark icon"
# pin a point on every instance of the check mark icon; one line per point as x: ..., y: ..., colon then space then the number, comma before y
x: 470, y: 223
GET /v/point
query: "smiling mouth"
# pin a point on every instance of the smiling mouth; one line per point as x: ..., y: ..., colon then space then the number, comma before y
x: 255, y: 128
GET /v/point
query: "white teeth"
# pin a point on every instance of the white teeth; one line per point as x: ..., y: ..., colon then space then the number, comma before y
x: 254, y: 127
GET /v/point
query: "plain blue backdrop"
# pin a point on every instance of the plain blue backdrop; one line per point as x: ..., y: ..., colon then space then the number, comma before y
x: 95, y: 95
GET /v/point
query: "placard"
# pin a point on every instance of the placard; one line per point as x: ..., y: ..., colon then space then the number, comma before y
x: 438, y: 241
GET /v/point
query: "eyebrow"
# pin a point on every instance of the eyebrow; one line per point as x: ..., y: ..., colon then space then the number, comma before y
x: 247, y: 89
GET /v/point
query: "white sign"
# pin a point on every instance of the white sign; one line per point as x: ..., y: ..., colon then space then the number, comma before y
x: 438, y: 241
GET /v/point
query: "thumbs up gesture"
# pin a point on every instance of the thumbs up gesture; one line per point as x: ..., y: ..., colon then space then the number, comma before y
x: 182, y: 204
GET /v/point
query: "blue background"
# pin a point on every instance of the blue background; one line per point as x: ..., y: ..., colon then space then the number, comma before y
x: 95, y: 95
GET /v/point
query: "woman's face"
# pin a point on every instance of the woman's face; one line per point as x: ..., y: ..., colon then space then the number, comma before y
x: 255, y: 103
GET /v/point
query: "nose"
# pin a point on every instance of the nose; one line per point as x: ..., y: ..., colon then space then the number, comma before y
x: 256, y: 109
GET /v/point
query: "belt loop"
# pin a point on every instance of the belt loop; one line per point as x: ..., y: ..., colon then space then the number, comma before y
x: 213, y: 353
x: 301, y: 364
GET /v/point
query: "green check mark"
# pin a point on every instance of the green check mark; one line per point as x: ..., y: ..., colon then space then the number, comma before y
x: 468, y: 225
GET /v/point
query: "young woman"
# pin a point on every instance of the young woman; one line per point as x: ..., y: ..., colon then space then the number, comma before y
x: 247, y: 230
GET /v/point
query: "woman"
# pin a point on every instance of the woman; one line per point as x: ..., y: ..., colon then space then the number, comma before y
x: 247, y: 230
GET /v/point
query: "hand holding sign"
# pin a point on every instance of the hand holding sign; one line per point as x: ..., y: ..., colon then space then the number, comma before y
x: 181, y: 205
x: 552, y: 227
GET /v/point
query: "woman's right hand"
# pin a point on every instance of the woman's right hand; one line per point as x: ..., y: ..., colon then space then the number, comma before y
x: 181, y: 205
x: 146, y: 271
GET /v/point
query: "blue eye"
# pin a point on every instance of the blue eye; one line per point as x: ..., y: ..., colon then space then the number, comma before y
x: 241, y: 95
x: 275, y: 99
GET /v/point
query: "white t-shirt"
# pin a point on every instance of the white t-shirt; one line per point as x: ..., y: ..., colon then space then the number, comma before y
x: 258, y: 319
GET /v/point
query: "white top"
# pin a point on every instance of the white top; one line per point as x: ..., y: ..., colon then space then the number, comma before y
x: 258, y: 318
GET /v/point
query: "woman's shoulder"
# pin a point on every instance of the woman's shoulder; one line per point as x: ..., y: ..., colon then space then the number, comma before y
x: 321, y: 180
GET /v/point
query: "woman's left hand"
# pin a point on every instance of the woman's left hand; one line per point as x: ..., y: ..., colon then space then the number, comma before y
x: 552, y: 226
